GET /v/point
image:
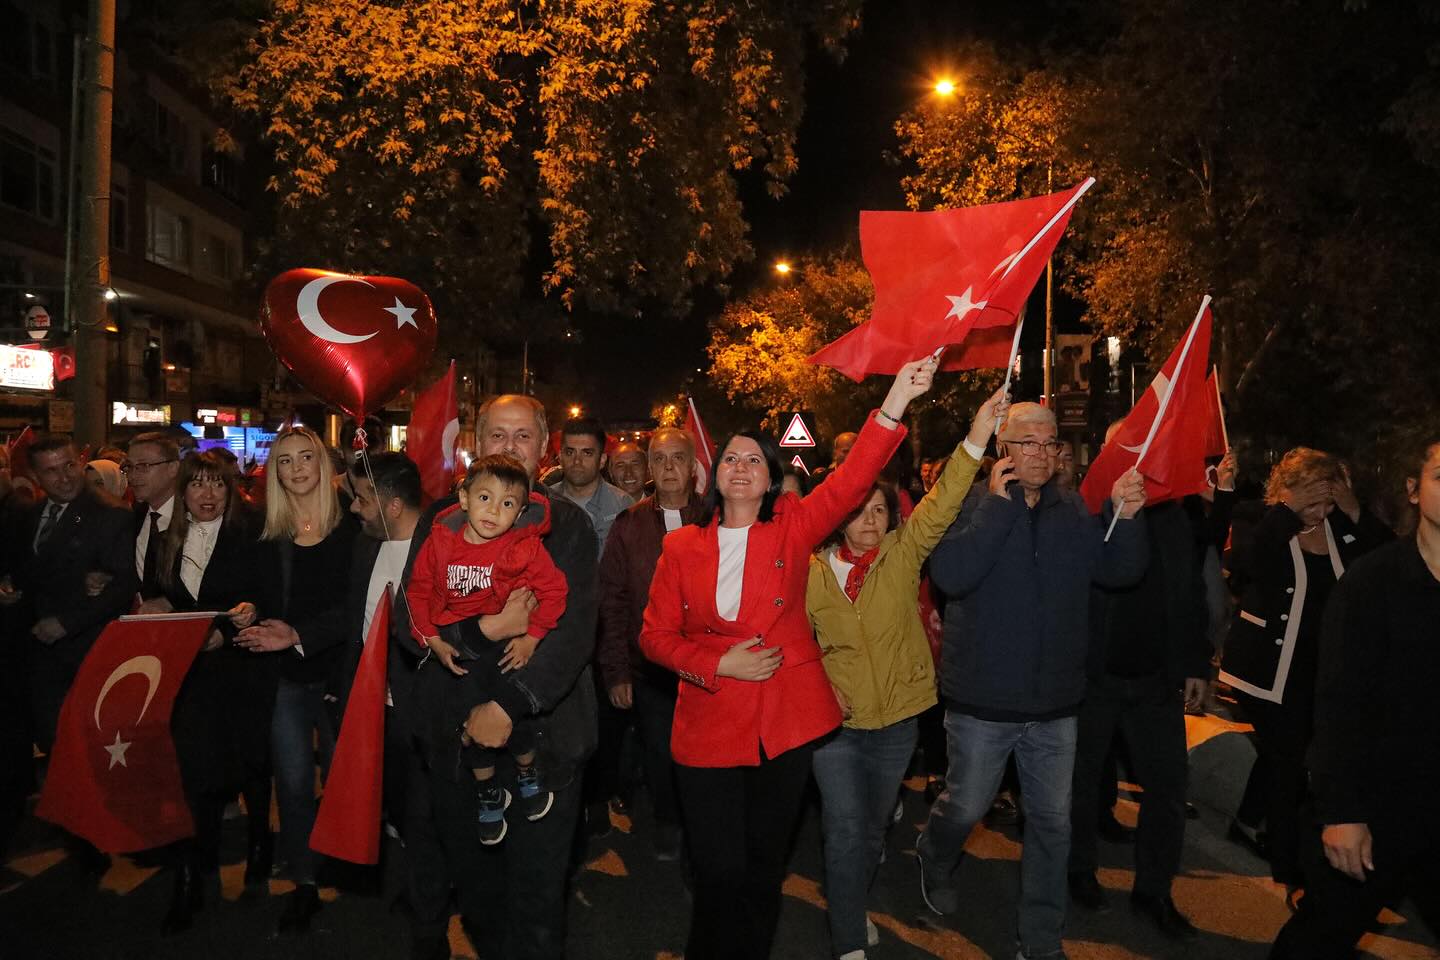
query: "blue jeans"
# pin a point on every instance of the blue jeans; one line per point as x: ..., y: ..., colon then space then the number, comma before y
x: 1045, y: 757
x: 300, y: 716
x: 859, y: 773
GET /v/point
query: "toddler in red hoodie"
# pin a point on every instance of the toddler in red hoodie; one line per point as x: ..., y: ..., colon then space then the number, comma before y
x: 477, y: 554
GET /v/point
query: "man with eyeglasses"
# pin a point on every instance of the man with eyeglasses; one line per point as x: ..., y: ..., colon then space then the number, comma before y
x: 152, y: 465
x: 1017, y: 566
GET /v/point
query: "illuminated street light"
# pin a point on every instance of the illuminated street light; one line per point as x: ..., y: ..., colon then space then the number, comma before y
x: 574, y: 410
x: 111, y: 296
x: 945, y: 88
x: 782, y: 267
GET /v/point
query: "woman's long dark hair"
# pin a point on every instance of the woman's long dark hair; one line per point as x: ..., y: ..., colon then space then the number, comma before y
x: 715, y: 504
x: 196, y: 466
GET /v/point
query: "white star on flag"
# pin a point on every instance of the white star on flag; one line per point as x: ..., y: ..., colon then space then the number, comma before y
x: 117, y: 752
x: 962, y: 305
x: 403, y: 314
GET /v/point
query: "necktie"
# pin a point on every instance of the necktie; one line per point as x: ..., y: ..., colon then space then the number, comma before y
x: 48, y: 522
x: 152, y: 556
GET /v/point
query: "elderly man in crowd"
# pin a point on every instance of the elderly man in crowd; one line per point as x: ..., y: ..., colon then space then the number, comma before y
x: 632, y: 681
x: 152, y: 463
x: 1018, y: 565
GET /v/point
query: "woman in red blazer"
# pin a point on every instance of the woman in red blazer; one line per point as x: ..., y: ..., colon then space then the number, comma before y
x: 727, y: 614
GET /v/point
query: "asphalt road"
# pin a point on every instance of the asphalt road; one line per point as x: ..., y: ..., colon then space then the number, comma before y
x: 624, y: 905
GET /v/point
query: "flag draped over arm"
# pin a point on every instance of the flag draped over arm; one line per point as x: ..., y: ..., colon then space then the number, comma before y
x: 433, y: 432
x: 950, y: 278
x: 114, y: 777
x: 1168, y: 427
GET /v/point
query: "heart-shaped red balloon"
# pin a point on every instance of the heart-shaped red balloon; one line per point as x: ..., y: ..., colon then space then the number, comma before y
x: 352, y: 341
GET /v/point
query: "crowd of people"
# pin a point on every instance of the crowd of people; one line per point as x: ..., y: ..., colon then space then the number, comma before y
x: 974, y: 619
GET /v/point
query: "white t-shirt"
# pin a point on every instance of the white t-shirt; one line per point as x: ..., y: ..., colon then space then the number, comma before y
x: 672, y: 520
x: 732, y: 571
x: 841, y: 568
x: 389, y: 566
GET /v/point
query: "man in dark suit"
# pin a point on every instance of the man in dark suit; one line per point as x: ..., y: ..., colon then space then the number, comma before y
x: 152, y: 464
x: 52, y: 550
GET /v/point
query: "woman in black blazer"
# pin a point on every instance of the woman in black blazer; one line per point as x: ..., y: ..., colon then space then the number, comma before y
x: 208, y: 561
x: 305, y: 558
x: 1313, y: 528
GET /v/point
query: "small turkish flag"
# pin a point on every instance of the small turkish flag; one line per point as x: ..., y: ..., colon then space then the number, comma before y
x: 704, y: 447
x: 1164, y: 435
x: 955, y: 278
x: 434, y: 429
x: 64, y: 360
x: 114, y: 778
x: 347, y: 825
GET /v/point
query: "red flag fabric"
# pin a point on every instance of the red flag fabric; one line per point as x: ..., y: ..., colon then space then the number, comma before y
x: 704, y: 446
x: 20, y: 472
x: 955, y: 278
x: 1217, y: 440
x: 433, y: 432
x: 114, y: 778
x: 64, y: 358
x: 347, y: 825
x: 1174, y: 462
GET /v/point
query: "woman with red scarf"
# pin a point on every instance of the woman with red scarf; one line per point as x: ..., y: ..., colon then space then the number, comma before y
x: 861, y: 600
x: 727, y: 615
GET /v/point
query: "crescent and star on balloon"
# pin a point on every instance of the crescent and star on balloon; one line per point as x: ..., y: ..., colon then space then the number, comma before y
x: 307, y: 305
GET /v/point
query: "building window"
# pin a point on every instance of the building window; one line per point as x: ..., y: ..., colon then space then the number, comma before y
x: 217, y: 257
x: 27, y: 175
x: 170, y: 135
x: 119, y: 218
x: 27, y: 45
x: 221, y: 173
x: 167, y: 238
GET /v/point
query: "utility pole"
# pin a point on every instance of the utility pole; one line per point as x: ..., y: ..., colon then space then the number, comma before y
x: 92, y: 246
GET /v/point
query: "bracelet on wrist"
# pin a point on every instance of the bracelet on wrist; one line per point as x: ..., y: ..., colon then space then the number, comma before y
x: 895, y: 420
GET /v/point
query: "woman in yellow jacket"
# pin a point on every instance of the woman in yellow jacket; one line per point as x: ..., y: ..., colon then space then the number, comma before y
x: 862, y: 600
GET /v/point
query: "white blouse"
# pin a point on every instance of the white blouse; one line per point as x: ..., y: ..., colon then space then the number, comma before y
x: 733, y: 541
x: 200, y: 538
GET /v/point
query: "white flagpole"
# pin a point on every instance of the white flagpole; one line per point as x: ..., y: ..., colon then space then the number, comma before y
x: 1165, y: 400
x: 1220, y: 405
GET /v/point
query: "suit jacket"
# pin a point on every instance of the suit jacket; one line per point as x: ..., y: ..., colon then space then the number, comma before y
x: 726, y: 722
x: 91, y: 537
x: 403, y: 657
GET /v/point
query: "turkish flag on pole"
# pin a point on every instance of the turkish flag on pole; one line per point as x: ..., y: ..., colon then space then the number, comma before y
x: 1217, y: 438
x: 956, y: 278
x: 433, y: 432
x: 1164, y: 436
x: 114, y: 778
x: 347, y: 825
x: 704, y: 447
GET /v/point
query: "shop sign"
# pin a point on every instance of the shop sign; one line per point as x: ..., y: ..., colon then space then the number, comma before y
x: 37, y: 321
x: 217, y: 416
x: 26, y: 369
x: 61, y: 416
x: 140, y: 414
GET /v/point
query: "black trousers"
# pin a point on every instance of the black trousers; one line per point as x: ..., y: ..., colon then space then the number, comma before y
x: 654, y: 718
x: 602, y: 771
x: 740, y: 822
x: 1336, y: 910
x: 1282, y: 734
x: 1150, y: 713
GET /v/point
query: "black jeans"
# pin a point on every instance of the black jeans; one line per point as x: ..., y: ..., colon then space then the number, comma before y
x: 511, y: 895
x: 740, y: 822
x: 1282, y: 734
x: 654, y: 718
x: 1336, y: 911
x: 1150, y: 714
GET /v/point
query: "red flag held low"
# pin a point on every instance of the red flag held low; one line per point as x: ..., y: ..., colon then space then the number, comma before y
x: 347, y: 825
x: 433, y: 432
x: 114, y: 778
x: 950, y: 278
x: 1167, y: 426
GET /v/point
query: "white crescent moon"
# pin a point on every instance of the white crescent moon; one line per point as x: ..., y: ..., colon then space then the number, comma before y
x: 307, y: 305
x: 147, y: 666
x: 447, y: 443
x: 1160, y: 384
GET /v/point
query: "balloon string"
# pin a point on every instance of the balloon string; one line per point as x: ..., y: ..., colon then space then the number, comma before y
x: 360, y: 444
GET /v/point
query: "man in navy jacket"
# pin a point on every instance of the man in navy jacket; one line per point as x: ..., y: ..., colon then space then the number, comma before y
x: 1018, y: 565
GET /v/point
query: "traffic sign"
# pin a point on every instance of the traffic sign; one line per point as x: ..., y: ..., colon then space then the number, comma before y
x: 799, y: 464
x: 797, y: 434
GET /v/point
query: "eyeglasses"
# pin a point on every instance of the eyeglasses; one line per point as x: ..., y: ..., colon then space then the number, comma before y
x: 140, y: 466
x: 1031, y: 448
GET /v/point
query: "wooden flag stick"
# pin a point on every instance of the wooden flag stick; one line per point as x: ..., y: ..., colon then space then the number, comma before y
x: 1165, y: 400
x: 1220, y: 405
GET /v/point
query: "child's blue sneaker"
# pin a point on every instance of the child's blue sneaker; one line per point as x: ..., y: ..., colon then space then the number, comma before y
x: 534, y: 801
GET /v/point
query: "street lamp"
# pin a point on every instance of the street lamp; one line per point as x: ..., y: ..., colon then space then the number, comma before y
x: 574, y: 410
x: 782, y: 267
x: 944, y: 87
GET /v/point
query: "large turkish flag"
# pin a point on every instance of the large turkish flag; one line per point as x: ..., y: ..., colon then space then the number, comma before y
x: 114, y: 778
x: 1165, y: 434
x: 956, y: 278
x: 430, y: 439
